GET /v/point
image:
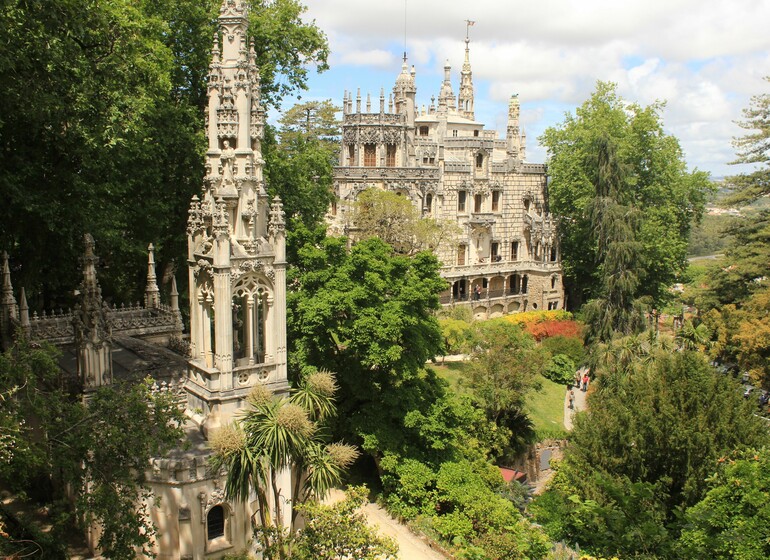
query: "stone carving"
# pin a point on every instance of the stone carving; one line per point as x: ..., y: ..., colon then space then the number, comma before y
x: 227, y: 158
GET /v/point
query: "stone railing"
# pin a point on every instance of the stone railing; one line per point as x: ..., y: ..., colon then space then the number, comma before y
x: 498, y: 268
x: 373, y: 118
x: 132, y: 320
x: 406, y: 173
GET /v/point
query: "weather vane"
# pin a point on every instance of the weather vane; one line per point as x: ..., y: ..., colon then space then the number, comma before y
x: 468, y: 25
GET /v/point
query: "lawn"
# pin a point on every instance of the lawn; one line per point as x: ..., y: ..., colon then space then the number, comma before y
x: 545, y: 407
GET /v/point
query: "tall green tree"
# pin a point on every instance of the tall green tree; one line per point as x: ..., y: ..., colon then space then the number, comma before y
x: 753, y: 148
x: 651, y: 178
x: 642, y: 452
x: 368, y: 313
x: 299, y: 158
x: 731, y: 521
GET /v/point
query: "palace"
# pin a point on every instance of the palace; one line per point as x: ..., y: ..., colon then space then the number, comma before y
x: 504, y: 257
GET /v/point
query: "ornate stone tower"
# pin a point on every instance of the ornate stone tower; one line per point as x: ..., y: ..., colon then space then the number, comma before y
x: 236, y: 241
x: 466, y: 85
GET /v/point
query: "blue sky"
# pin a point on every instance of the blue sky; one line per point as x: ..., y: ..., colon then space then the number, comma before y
x: 704, y: 58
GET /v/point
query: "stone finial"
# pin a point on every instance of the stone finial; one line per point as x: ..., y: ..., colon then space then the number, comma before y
x: 368, y: 103
x: 382, y: 100
x: 151, y: 291
x: 358, y: 101
x: 24, y: 310
x: 8, y: 299
x: 174, y: 295
x: 277, y: 217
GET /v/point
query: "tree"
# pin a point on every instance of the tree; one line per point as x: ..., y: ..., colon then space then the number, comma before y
x: 394, y: 219
x: 97, y: 451
x: 731, y: 520
x: 504, y: 366
x: 753, y: 148
x: 106, y: 135
x: 276, y: 434
x: 299, y: 166
x: 368, y: 313
x: 610, y: 143
x: 643, y: 451
x: 341, y: 531
x: 312, y: 120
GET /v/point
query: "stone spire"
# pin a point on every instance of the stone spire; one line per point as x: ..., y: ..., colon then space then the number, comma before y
x: 24, y: 312
x: 93, y: 335
x: 9, y: 311
x: 512, y: 134
x: 405, y: 91
x: 151, y: 291
x: 446, y: 97
x: 466, y: 85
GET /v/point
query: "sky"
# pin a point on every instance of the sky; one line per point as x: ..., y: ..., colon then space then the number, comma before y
x: 703, y: 58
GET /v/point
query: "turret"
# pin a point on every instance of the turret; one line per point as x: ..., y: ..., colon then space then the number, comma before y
x: 405, y: 92
x: 512, y: 134
x: 446, y: 97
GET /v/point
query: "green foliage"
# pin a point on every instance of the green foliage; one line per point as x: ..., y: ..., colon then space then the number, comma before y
x: 393, y: 218
x: 504, y: 368
x: 567, y: 346
x: 753, y: 149
x: 709, y: 237
x: 368, y: 314
x: 458, y: 335
x: 642, y: 452
x: 731, y: 521
x: 99, y: 449
x: 106, y: 136
x: 645, y: 174
x: 465, y: 505
x: 561, y: 369
x: 278, y: 433
x: 341, y: 531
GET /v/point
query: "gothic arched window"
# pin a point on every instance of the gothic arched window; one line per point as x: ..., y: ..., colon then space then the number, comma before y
x: 215, y: 523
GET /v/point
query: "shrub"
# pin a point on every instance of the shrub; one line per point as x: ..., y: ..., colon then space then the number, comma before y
x: 561, y: 370
x: 567, y: 345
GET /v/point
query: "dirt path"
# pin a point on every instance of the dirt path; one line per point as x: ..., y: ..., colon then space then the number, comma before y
x: 580, y: 404
x: 410, y: 546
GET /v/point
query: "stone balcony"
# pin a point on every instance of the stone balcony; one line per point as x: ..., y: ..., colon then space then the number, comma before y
x: 498, y: 268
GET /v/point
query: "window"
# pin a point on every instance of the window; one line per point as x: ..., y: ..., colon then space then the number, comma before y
x: 479, y: 161
x: 461, y: 255
x: 553, y: 282
x: 370, y: 155
x: 351, y: 155
x: 334, y: 207
x: 454, y: 133
x: 495, y: 201
x: 477, y: 202
x: 461, y: 201
x: 423, y: 131
x: 215, y: 523
x: 495, y: 251
x: 514, y: 250
x: 524, y: 282
x: 475, y: 132
x: 390, y: 155
x: 553, y: 254
x: 428, y: 203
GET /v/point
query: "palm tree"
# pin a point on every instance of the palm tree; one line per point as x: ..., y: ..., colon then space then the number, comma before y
x: 275, y: 434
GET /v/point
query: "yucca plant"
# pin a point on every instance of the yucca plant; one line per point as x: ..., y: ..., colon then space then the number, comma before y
x: 274, y: 434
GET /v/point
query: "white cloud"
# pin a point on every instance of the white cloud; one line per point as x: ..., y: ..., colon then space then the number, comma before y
x: 705, y: 58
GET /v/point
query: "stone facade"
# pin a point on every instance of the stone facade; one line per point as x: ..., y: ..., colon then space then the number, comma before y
x: 505, y: 257
x: 237, y: 279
